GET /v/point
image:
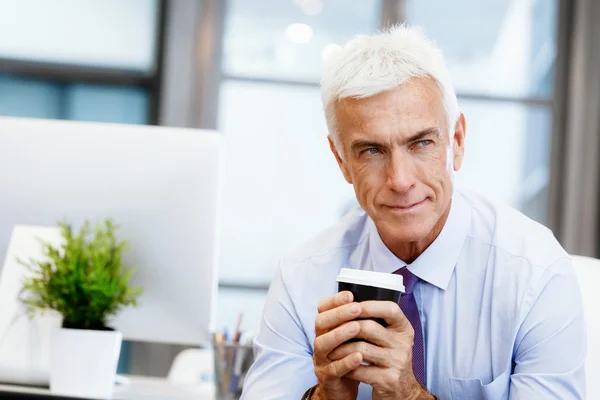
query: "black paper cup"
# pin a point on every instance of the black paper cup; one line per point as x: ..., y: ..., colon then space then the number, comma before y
x: 370, y: 285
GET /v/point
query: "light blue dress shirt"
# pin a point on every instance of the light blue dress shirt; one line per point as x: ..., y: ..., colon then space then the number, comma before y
x: 499, y: 303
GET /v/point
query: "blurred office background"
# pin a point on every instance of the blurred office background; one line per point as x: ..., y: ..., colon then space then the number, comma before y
x: 527, y: 73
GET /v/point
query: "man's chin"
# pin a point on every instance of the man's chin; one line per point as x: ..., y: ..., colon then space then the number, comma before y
x: 405, y: 231
x: 407, y: 236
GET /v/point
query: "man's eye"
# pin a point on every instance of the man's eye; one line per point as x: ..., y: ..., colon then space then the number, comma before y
x: 371, y: 150
x: 423, y: 143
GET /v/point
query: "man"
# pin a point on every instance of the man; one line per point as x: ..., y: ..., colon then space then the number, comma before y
x: 492, y: 309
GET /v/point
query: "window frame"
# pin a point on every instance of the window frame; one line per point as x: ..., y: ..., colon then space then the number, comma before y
x: 65, y: 74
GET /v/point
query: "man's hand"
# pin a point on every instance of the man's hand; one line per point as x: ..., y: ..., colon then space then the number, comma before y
x: 388, y: 350
x: 334, y: 325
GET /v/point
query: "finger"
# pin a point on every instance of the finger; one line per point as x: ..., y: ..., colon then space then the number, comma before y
x: 388, y: 311
x: 369, y: 374
x: 324, y: 344
x: 376, y: 334
x: 335, y: 317
x: 336, y: 300
x: 370, y: 353
x: 338, y: 369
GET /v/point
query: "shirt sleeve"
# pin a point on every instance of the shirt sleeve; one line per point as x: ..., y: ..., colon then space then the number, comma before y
x: 283, y: 366
x: 551, y: 343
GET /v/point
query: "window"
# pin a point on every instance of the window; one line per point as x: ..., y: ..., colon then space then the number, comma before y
x: 282, y: 183
x: 502, y: 64
x: 94, y: 62
x: 110, y: 33
x: 500, y: 47
x: 28, y: 98
x: 508, y: 160
x: 285, y: 40
x: 24, y: 97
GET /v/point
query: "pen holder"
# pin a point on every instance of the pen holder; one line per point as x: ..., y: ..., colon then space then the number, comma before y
x: 232, y: 362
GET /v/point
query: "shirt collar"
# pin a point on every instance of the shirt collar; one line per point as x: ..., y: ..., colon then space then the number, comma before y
x: 436, y: 264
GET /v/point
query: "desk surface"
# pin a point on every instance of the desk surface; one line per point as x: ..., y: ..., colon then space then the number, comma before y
x: 138, y: 388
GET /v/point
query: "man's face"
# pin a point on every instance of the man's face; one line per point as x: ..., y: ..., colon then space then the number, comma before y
x: 400, y: 158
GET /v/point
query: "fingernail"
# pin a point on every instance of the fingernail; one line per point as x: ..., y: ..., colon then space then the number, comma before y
x: 347, y: 297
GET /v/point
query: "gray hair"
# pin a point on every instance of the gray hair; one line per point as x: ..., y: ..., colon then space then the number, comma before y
x: 371, y: 64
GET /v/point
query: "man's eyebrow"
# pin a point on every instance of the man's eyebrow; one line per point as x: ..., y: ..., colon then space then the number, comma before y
x: 423, y: 134
x: 360, y: 144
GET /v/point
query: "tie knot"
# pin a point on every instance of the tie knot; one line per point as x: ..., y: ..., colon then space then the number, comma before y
x: 408, y: 278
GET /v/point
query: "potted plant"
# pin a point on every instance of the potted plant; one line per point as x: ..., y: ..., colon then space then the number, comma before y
x: 86, y: 282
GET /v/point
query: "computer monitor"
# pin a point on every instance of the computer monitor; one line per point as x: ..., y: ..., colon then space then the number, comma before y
x: 25, y: 343
x: 161, y: 185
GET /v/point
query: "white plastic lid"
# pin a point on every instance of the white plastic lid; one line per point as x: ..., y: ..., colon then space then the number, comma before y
x: 371, y: 278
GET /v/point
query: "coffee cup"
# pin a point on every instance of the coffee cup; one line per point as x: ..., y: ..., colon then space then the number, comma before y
x: 371, y: 285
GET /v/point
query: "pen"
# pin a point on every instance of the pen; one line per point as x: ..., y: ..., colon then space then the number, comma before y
x: 238, y: 362
x: 238, y: 333
x: 236, y: 339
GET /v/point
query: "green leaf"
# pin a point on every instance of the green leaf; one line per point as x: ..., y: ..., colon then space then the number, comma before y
x: 84, y: 279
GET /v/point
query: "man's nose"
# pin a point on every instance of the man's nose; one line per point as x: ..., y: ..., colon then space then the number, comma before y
x: 400, y: 174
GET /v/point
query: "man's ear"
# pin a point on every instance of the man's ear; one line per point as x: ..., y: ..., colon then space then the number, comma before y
x: 341, y: 163
x: 458, y: 141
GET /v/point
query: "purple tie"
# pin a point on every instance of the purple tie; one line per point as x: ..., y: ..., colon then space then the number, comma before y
x: 408, y: 305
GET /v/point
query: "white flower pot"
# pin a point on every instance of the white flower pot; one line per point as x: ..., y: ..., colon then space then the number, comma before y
x: 83, y: 363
